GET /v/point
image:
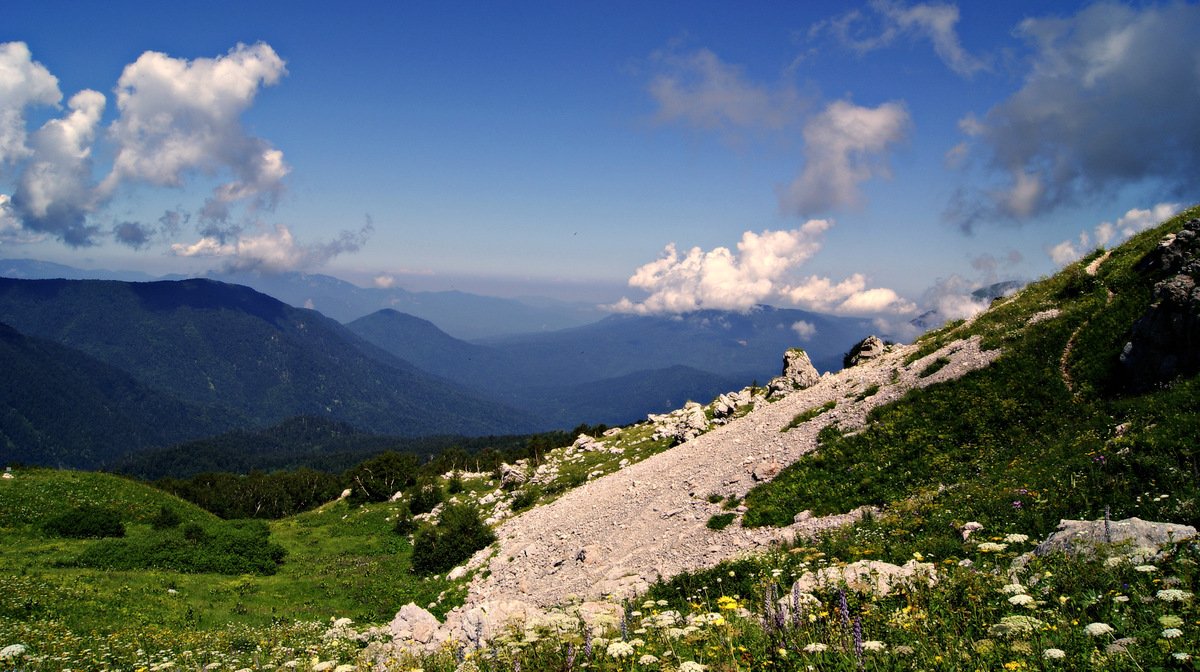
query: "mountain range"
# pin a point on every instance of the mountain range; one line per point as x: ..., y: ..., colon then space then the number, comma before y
x: 150, y: 364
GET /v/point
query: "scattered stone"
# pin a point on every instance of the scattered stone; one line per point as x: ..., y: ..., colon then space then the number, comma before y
x: 766, y: 470
x: 587, y: 444
x: 682, y: 425
x: 413, y: 624
x: 802, y: 516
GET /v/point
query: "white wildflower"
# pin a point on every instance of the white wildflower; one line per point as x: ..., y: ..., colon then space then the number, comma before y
x: 1172, y: 633
x: 1181, y: 656
x: 816, y: 647
x: 647, y: 659
x: 1054, y: 654
x: 619, y: 650
x: 1022, y: 600
x: 1013, y: 589
x: 1173, y: 595
x: 873, y: 645
x: 991, y: 547
x: 1170, y: 621
x: 691, y: 666
x: 12, y: 652
x: 1016, y: 538
x: 1145, y: 569
x: 1120, y: 598
x: 1097, y: 629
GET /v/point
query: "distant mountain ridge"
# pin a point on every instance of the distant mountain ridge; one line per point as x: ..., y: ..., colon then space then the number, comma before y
x: 246, y: 355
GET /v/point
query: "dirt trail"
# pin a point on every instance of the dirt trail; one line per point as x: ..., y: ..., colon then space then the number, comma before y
x: 617, y: 534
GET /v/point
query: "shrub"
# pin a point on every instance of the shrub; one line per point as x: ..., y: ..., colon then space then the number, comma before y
x: 526, y: 497
x: 233, y: 547
x: 405, y: 524
x: 720, y: 521
x: 86, y: 522
x: 453, y: 540
x: 425, y: 496
x: 165, y: 519
x: 933, y: 367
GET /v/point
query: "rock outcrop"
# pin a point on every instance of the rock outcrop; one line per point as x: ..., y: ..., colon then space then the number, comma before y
x: 798, y: 374
x: 1165, y: 342
x: 1144, y: 537
x: 682, y: 425
x: 865, y: 350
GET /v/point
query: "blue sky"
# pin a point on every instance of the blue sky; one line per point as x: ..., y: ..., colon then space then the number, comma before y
x: 874, y: 158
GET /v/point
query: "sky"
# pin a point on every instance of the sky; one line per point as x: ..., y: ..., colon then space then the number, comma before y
x: 875, y: 158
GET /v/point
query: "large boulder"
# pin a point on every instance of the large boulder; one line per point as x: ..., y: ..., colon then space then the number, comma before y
x: 682, y: 425
x: 1165, y: 341
x: 798, y: 373
x: 1142, y: 536
x: 865, y: 350
x: 868, y: 576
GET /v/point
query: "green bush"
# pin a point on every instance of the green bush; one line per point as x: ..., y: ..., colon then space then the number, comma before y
x: 426, y: 495
x: 933, y: 367
x: 405, y: 523
x: 86, y: 522
x: 165, y: 519
x: 720, y: 521
x: 233, y: 547
x: 526, y: 497
x: 453, y: 540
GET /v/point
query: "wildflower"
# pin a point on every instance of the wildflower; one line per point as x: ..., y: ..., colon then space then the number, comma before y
x: 1014, y: 665
x: 1181, y: 656
x: 1145, y: 569
x: 1013, y: 589
x: 1016, y: 504
x: 1173, y: 595
x: 1120, y: 598
x: 1016, y: 538
x: 691, y: 666
x: 1054, y: 654
x: 1170, y: 621
x: 619, y: 650
x: 647, y: 659
x: 1172, y: 633
x: 991, y: 547
x: 873, y: 645
x: 726, y: 603
x: 1015, y: 625
x: 903, y: 650
x: 815, y: 647
x: 1097, y: 629
x: 12, y: 652
x: 1022, y: 600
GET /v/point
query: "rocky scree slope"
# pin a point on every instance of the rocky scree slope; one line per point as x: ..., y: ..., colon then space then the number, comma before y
x: 613, y: 536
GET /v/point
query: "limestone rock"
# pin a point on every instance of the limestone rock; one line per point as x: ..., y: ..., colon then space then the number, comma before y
x: 766, y: 470
x: 682, y: 425
x: 865, y: 350
x: 798, y: 374
x: 413, y: 624
x: 868, y: 576
x: 1141, y: 535
x: 1165, y: 341
x: 587, y: 444
x: 512, y: 475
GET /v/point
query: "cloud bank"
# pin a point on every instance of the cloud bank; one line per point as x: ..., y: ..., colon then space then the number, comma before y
x: 762, y: 270
x: 1111, y: 98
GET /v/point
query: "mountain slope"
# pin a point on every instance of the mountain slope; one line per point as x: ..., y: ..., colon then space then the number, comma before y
x: 211, y: 343
x: 61, y: 407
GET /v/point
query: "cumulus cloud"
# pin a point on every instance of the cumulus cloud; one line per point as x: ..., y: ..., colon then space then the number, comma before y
x: 761, y: 270
x: 275, y: 250
x: 1132, y: 222
x: 23, y: 82
x: 1111, y: 98
x: 703, y: 91
x: 179, y: 117
x: 55, y: 192
x: 805, y: 330
x: 934, y: 22
x: 843, y: 147
x: 384, y: 281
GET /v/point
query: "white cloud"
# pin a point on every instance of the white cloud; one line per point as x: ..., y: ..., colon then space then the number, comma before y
x: 805, y: 330
x: 1111, y: 99
x: 384, y: 281
x: 1132, y: 222
x: 178, y: 117
x: 849, y: 296
x: 275, y: 250
x: 843, y: 147
x: 23, y: 82
x: 55, y: 192
x: 933, y: 22
x: 705, y: 92
x: 761, y: 270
